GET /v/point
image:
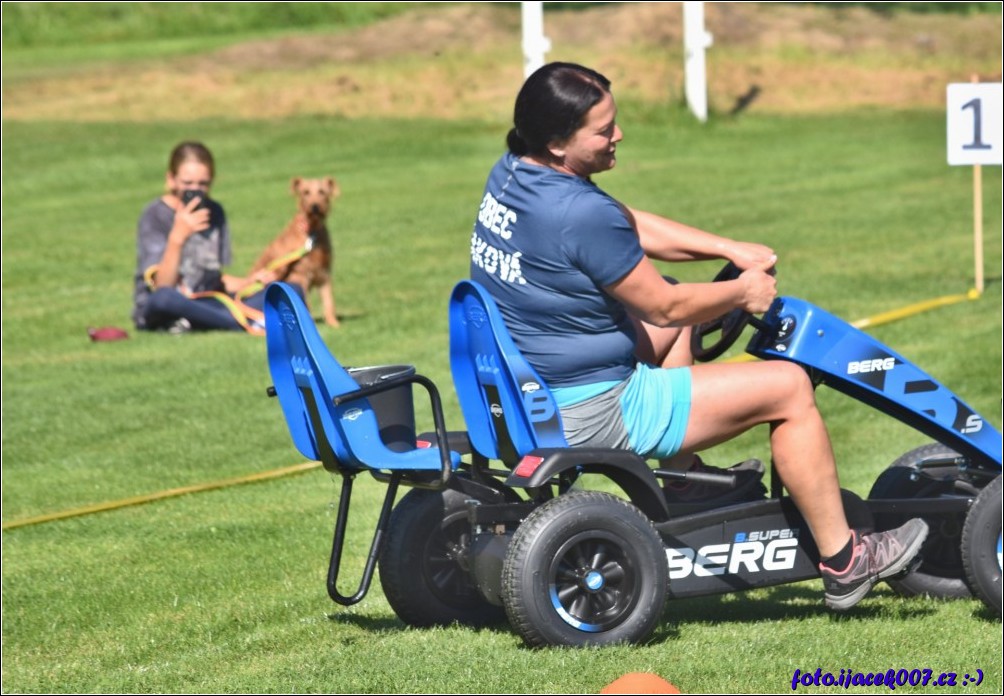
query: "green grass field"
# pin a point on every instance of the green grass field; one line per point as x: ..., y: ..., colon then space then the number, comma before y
x: 223, y: 591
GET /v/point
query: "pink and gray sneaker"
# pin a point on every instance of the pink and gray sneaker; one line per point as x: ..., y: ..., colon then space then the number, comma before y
x: 876, y: 556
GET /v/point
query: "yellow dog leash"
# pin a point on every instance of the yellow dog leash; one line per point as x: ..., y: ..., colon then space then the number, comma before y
x: 281, y: 262
x: 249, y: 318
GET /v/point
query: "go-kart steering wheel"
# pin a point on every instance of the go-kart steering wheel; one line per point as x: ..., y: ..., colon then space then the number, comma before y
x: 730, y: 325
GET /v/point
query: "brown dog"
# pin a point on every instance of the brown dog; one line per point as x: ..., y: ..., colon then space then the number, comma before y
x: 313, y: 269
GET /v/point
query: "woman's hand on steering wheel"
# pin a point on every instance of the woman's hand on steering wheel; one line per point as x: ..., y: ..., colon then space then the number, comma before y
x: 761, y: 286
x: 747, y: 255
x: 760, y: 293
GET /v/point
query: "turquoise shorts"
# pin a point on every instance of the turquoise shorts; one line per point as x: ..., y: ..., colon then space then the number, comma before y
x: 654, y: 410
x: 656, y: 407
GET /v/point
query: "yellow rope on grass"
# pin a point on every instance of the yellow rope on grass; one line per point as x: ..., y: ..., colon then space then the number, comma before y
x: 140, y: 499
x: 917, y: 308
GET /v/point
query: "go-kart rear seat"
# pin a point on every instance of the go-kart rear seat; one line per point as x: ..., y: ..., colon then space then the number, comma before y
x: 332, y: 421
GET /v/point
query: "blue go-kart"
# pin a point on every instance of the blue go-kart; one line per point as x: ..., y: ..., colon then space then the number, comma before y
x: 499, y: 524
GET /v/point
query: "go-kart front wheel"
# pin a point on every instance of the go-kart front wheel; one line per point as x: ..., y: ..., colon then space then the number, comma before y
x: 422, y: 565
x: 981, y: 545
x: 940, y: 573
x: 584, y: 569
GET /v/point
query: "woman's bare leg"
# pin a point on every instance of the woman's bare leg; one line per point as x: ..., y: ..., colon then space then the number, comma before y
x: 729, y: 399
x: 662, y: 347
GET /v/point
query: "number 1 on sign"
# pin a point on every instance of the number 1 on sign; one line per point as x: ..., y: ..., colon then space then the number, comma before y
x: 974, y: 123
x: 977, y: 143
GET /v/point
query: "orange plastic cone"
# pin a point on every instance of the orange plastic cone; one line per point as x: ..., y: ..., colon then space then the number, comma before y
x: 639, y: 683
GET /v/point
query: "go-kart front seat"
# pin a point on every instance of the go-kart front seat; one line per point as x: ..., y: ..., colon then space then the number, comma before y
x: 508, y: 409
x: 512, y: 416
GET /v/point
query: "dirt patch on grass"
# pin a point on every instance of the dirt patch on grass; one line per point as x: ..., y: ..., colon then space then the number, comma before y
x: 465, y: 61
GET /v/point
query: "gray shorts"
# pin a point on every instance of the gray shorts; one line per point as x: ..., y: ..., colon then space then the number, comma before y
x: 597, y: 422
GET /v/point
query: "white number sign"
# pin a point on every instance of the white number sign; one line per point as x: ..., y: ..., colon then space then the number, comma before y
x: 975, y: 124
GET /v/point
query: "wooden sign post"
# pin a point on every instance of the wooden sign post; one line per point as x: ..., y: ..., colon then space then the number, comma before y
x: 974, y: 138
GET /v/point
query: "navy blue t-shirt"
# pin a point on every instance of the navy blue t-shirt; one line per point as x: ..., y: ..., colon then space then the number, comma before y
x: 544, y: 245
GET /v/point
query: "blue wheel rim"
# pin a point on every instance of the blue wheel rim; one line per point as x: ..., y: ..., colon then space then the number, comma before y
x: 593, y: 584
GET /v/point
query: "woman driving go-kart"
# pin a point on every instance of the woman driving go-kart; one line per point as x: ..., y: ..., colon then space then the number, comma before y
x: 603, y: 328
x: 573, y: 357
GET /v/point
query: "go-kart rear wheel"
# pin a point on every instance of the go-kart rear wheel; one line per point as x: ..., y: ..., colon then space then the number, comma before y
x: 585, y: 568
x: 421, y: 566
x: 981, y: 545
x: 940, y: 573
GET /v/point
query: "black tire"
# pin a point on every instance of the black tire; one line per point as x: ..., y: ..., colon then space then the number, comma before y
x: 940, y: 572
x: 981, y: 546
x: 421, y: 569
x: 584, y: 569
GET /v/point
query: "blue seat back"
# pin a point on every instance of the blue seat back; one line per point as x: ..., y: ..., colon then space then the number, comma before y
x: 307, y: 378
x: 508, y: 409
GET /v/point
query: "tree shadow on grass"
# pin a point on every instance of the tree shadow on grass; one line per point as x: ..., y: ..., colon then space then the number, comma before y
x: 783, y: 603
x: 343, y: 317
x: 367, y: 623
x: 787, y: 602
x: 985, y: 613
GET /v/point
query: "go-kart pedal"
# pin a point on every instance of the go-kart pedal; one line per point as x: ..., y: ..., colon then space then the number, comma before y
x: 910, y: 567
x: 703, y: 486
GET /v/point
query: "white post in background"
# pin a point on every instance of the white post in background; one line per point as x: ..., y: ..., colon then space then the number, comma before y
x: 695, y: 41
x: 535, y: 44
